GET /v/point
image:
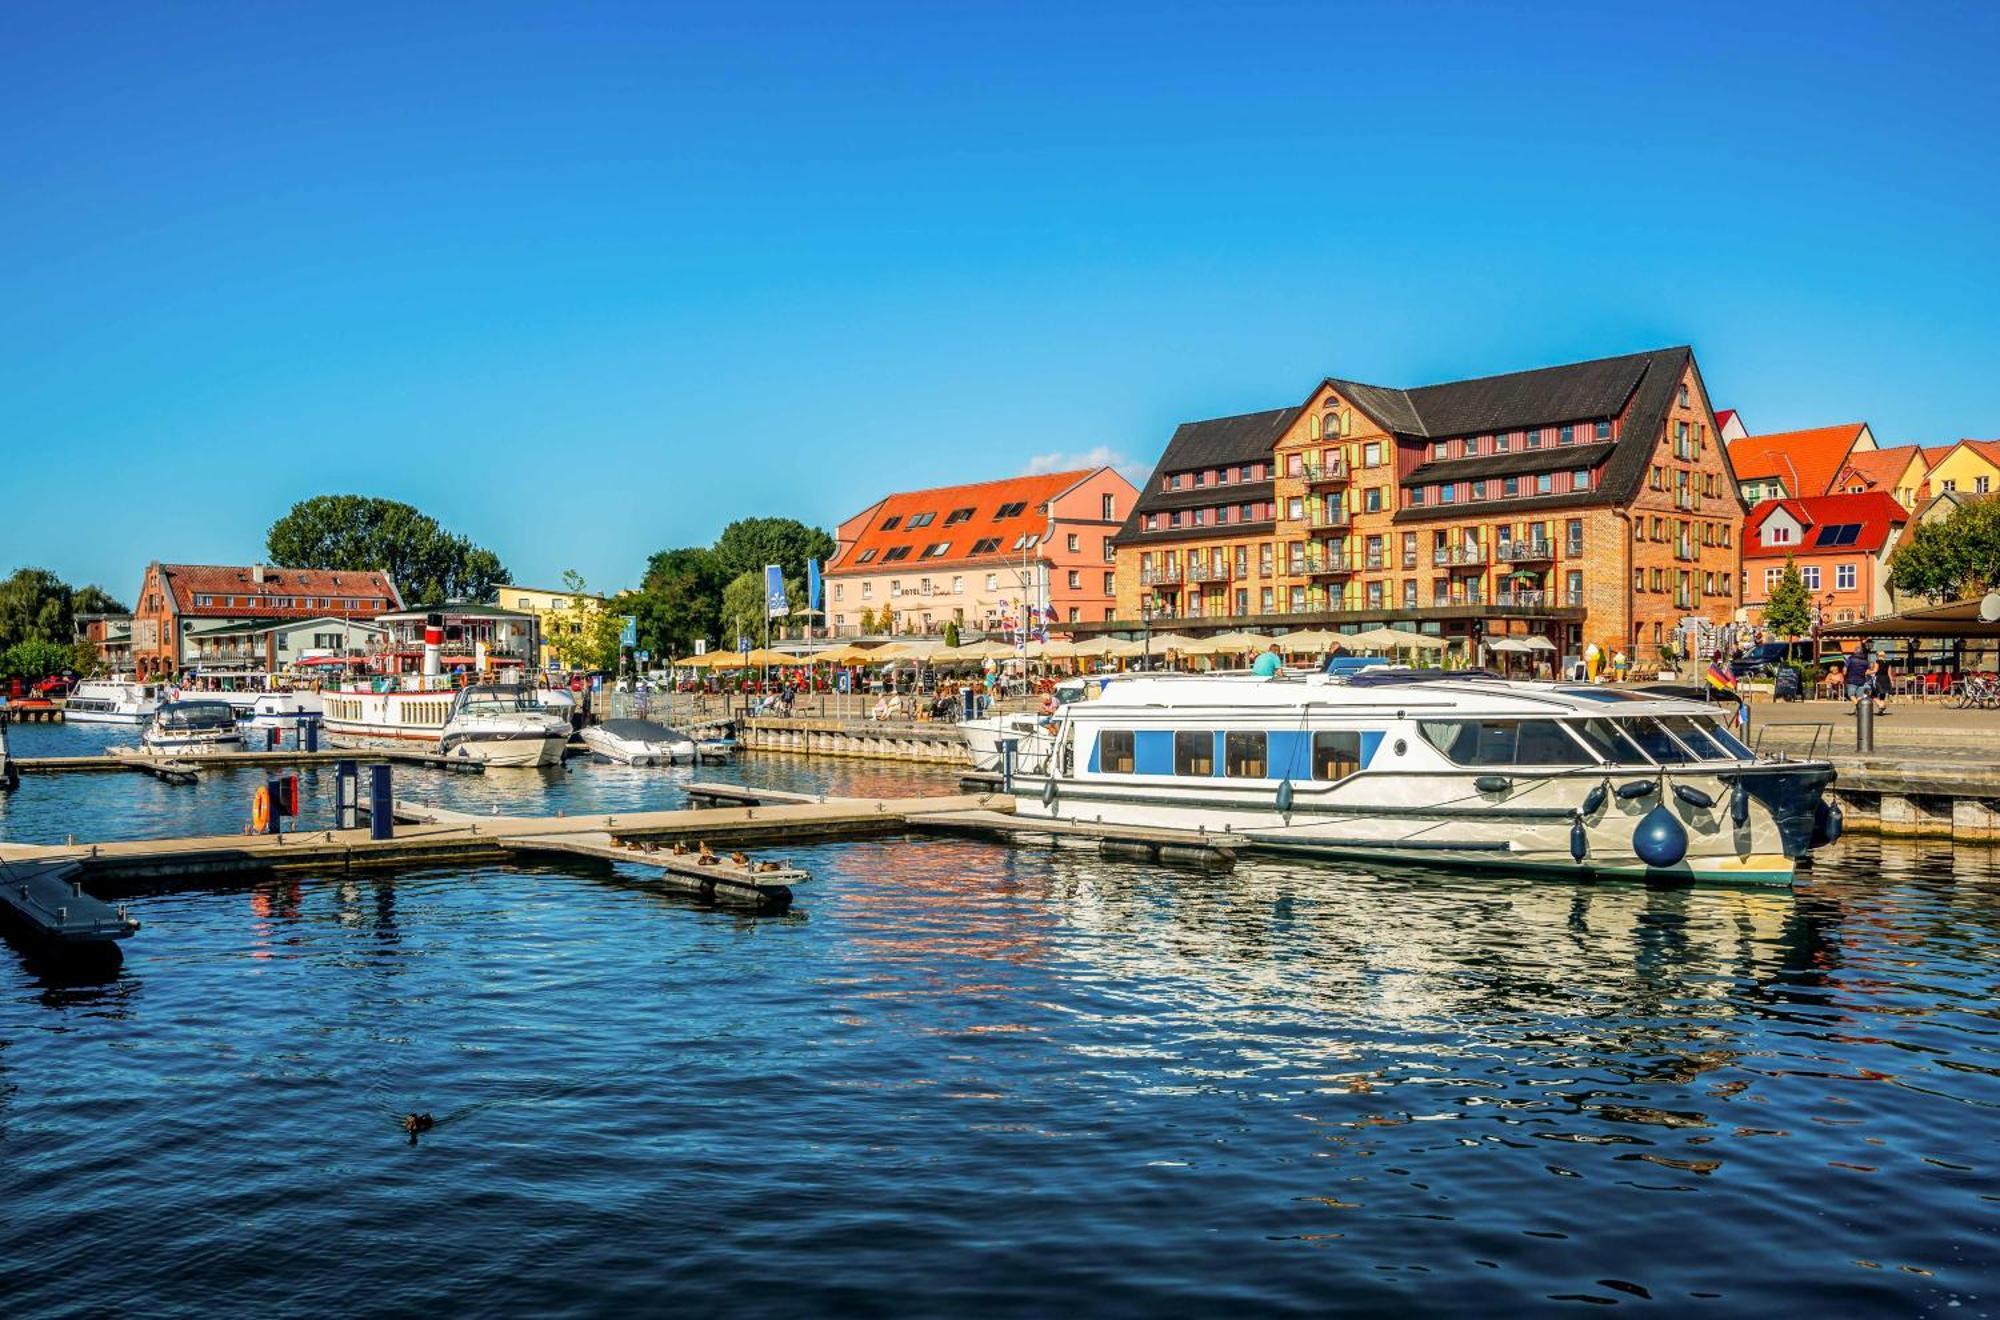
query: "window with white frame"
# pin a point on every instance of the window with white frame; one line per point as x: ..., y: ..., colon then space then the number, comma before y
x: 1844, y: 576
x: 1810, y: 576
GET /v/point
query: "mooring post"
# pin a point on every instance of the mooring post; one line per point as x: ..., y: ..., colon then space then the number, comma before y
x: 1864, y: 723
x: 1007, y: 746
x: 309, y: 730
x: 346, y: 795
x: 381, y: 804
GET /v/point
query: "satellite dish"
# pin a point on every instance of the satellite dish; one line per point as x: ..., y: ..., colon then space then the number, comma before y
x: 1989, y: 608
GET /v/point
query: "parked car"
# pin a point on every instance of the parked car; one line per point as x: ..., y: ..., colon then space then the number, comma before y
x: 1760, y: 660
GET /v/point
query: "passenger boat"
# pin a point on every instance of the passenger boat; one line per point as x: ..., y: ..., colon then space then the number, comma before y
x: 407, y: 710
x: 112, y: 701
x: 1440, y: 768
x: 639, y: 742
x: 283, y: 710
x: 191, y: 726
x: 503, y: 725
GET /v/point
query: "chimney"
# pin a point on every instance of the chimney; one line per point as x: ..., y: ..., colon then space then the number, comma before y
x: 257, y: 573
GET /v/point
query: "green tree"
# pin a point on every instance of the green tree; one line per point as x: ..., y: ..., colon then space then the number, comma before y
x: 951, y: 633
x: 1788, y: 612
x: 35, y: 605
x: 94, y: 599
x: 35, y: 658
x: 583, y: 633
x: 748, y: 544
x: 678, y: 600
x: 84, y: 656
x: 743, y: 608
x: 1952, y: 559
x: 427, y: 563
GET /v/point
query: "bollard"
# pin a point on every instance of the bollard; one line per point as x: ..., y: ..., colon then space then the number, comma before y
x: 1864, y: 723
x: 346, y: 795
x: 1007, y: 746
x: 381, y: 804
x: 271, y: 736
x: 309, y: 731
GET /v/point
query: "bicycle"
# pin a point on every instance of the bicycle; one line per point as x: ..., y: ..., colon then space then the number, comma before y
x: 1977, y: 690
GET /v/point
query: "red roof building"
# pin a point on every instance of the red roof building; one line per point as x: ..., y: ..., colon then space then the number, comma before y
x: 175, y: 599
x: 1897, y: 472
x: 1795, y: 464
x: 991, y: 556
x: 1841, y: 544
x: 1729, y: 425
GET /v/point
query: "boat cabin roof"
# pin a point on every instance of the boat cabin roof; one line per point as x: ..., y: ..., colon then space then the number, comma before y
x: 1416, y: 691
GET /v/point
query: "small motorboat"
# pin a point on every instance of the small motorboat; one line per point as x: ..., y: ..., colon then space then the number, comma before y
x: 191, y: 726
x: 503, y: 725
x: 639, y: 742
x: 715, y: 749
x: 112, y: 701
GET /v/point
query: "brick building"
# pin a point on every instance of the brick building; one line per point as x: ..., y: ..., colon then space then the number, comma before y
x: 1841, y: 544
x: 981, y: 555
x: 1584, y: 503
x: 180, y: 603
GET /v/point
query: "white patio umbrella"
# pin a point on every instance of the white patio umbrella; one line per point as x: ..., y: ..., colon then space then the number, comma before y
x: 1511, y: 646
x: 1311, y: 641
x: 1540, y: 643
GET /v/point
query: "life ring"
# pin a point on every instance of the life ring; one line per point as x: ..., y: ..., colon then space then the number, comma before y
x: 260, y: 811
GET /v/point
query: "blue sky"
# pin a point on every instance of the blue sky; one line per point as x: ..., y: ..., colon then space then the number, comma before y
x: 588, y: 281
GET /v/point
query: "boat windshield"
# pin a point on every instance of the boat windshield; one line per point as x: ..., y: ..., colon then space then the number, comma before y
x: 1608, y: 739
x: 487, y: 699
x: 197, y: 715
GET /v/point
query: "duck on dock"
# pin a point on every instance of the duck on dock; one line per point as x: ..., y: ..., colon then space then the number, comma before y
x: 705, y: 857
x: 740, y: 858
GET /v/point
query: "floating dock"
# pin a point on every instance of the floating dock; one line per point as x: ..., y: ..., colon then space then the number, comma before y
x: 46, y: 900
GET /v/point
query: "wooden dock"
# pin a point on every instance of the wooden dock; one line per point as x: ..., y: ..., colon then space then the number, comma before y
x: 32, y: 712
x: 133, y: 759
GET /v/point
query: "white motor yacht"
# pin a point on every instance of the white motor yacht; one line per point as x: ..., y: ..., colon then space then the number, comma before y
x: 283, y: 710
x: 639, y: 742
x: 502, y: 725
x: 1032, y: 734
x: 191, y: 726
x: 112, y: 701
x: 1439, y: 768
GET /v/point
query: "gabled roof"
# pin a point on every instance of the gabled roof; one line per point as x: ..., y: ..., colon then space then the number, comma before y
x: 1873, y: 514
x: 1224, y: 441
x: 307, y: 588
x: 1723, y: 417
x: 1573, y: 392
x: 1878, y: 469
x: 1806, y: 461
x: 985, y: 499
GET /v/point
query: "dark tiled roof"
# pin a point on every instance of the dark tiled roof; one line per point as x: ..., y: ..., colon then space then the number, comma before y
x: 1243, y: 492
x: 1548, y: 458
x: 1209, y: 532
x: 1218, y: 442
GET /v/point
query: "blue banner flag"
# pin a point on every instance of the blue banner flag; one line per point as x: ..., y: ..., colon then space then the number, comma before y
x: 629, y: 634
x: 812, y: 586
x: 775, y: 603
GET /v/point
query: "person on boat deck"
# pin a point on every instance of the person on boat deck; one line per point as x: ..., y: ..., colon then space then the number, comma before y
x: 1269, y: 663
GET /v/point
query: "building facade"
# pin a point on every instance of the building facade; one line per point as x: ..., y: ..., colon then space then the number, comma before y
x: 986, y: 557
x: 1583, y: 503
x: 1841, y: 545
x: 176, y: 600
x: 556, y: 611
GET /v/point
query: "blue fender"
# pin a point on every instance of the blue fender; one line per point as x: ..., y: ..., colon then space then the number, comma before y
x: 1660, y: 841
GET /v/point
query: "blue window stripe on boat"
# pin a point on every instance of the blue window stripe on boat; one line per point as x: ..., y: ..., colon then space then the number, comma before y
x: 1291, y: 755
x: 1369, y: 742
x: 1093, y: 752
x: 1153, y: 753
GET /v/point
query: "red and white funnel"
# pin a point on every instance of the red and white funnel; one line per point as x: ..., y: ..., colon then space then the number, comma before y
x: 433, y: 643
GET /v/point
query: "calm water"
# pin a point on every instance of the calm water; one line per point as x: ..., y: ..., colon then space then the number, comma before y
x: 958, y: 1078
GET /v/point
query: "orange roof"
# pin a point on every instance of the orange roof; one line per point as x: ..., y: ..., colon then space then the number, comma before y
x: 966, y: 521
x: 1806, y: 461
x: 1871, y: 516
x: 1879, y: 469
x: 233, y: 593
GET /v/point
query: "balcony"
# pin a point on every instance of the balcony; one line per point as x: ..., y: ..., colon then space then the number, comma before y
x: 1333, y: 473
x: 1462, y: 555
x: 1331, y: 566
x: 1166, y: 576
x: 1209, y: 572
x: 1329, y: 520
x: 1531, y: 599
x: 1527, y: 552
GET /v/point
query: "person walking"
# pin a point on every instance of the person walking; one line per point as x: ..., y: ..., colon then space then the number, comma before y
x: 1855, y: 676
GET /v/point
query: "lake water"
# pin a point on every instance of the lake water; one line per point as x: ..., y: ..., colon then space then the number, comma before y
x: 960, y: 1078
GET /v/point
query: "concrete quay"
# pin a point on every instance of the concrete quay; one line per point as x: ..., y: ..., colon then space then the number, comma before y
x: 938, y: 743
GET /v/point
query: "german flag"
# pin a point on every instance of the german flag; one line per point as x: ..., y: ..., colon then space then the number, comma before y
x: 1720, y: 678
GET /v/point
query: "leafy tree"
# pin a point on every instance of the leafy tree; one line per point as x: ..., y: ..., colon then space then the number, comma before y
x: 84, y: 656
x: 35, y: 658
x: 748, y: 544
x: 951, y: 632
x: 35, y: 605
x: 356, y: 532
x: 1952, y: 559
x: 582, y: 632
x: 1788, y: 612
x: 743, y: 608
x: 679, y: 600
x: 94, y: 599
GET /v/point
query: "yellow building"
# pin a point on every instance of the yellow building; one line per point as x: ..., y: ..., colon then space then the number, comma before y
x: 555, y: 611
x: 1970, y: 467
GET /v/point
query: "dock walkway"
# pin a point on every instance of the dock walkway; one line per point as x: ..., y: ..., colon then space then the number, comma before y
x: 116, y: 759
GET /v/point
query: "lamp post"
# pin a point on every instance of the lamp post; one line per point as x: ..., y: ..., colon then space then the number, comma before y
x: 1146, y: 633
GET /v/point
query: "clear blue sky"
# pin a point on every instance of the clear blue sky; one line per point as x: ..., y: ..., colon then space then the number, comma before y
x: 586, y: 281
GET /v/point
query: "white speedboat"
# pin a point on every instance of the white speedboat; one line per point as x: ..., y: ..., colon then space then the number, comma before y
x: 502, y: 725
x: 112, y: 701
x: 1437, y: 768
x: 283, y: 710
x: 199, y: 725
x: 639, y: 742
x: 1032, y: 734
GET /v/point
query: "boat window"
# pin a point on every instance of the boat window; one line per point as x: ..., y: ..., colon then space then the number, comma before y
x: 1694, y: 733
x: 1608, y: 740
x: 1245, y: 755
x: 1720, y: 731
x: 1502, y: 742
x: 1194, y: 752
x: 1116, y: 752
x: 1336, y: 754
x: 1657, y: 743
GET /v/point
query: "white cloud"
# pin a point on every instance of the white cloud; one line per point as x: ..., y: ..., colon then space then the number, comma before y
x: 1102, y: 456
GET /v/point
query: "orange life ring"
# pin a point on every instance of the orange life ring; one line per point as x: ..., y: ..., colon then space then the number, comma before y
x: 260, y: 811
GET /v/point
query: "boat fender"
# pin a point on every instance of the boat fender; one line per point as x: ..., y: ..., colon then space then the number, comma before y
x: 1829, y: 822
x: 1493, y: 783
x: 1579, y: 845
x: 1660, y: 840
x: 1694, y: 797
x: 1594, y: 799
x: 1637, y: 788
x: 1049, y: 793
x: 1739, y: 804
x: 1285, y: 798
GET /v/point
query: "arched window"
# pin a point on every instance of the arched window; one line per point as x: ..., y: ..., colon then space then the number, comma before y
x: 1334, y: 422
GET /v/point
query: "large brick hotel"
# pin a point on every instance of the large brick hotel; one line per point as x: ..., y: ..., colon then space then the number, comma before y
x: 1591, y: 502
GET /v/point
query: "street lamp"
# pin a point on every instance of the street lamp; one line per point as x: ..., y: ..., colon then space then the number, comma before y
x: 1146, y: 634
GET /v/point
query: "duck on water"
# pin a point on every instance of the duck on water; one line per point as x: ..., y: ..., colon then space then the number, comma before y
x: 1459, y: 768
